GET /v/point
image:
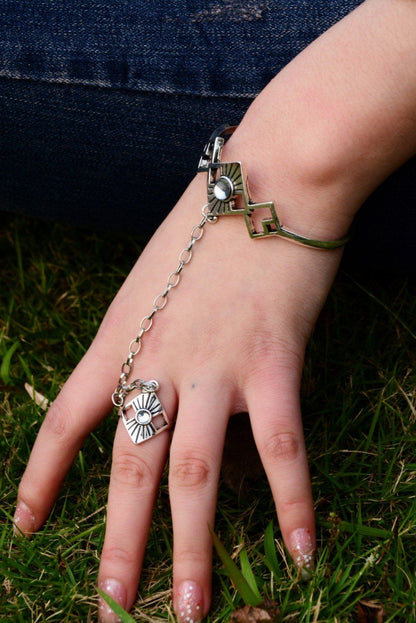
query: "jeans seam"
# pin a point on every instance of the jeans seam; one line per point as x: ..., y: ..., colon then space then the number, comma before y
x: 172, y: 92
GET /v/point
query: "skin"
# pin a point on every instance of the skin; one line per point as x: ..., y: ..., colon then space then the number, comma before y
x: 320, y: 137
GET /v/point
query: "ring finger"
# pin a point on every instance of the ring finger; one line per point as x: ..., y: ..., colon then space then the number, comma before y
x: 135, y: 476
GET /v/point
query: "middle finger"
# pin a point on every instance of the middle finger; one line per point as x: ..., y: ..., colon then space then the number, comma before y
x: 195, y: 462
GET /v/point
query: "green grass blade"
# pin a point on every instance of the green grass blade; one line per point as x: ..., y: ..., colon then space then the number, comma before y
x: 248, y: 574
x: 20, y: 271
x: 26, y: 369
x: 5, y: 364
x: 355, y: 528
x: 270, y: 550
x: 120, y: 612
x: 241, y: 584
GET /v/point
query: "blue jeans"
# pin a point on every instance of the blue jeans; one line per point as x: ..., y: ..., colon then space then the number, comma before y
x: 106, y: 104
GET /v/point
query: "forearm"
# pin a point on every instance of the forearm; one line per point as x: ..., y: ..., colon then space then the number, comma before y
x: 337, y: 120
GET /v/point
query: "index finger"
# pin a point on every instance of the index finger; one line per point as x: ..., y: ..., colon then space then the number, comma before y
x: 81, y: 404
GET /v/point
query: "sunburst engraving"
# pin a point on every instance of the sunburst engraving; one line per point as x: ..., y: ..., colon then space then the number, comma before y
x: 224, y: 187
x: 140, y: 427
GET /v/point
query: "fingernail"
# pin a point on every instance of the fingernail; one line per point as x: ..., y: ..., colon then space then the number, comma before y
x: 189, y: 602
x: 23, y: 520
x: 117, y: 591
x: 303, y: 552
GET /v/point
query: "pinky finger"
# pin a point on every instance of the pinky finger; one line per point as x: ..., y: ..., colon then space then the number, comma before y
x: 277, y: 429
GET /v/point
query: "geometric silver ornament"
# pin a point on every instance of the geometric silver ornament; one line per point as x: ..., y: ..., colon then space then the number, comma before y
x: 225, y: 184
x: 149, y: 417
x: 228, y: 194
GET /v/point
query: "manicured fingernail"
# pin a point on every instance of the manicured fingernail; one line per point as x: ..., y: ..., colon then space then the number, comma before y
x: 23, y: 520
x: 118, y: 592
x: 303, y: 552
x: 189, y: 602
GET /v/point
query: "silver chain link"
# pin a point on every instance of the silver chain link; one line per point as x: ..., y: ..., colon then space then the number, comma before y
x: 185, y: 256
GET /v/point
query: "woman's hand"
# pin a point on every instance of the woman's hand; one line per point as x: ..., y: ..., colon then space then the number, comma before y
x: 317, y: 141
x: 231, y: 338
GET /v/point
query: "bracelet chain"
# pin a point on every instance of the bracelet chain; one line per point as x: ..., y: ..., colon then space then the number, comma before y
x: 135, y: 346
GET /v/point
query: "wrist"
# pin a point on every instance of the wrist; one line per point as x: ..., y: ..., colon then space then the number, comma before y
x: 313, y: 206
x: 335, y: 122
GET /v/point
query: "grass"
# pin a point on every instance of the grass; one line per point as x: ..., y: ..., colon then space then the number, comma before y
x: 359, y: 404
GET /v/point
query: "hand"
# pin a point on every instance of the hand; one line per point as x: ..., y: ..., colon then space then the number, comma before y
x: 318, y: 140
x: 231, y: 338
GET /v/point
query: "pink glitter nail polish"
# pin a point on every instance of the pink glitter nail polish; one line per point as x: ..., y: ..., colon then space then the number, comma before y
x: 24, y: 520
x: 189, y: 602
x: 117, y: 591
x: 303, y: 551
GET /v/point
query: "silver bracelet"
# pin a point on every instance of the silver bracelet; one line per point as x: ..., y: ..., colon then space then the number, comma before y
x: 227, y: 193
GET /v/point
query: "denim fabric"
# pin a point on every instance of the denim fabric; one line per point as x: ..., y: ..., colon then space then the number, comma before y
x: 105, y: 106
x: 101, y: 157
x: 218, y: 48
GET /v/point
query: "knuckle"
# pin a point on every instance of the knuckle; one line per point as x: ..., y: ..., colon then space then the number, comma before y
x: 293, y: 505
x: 267, y: 356
x: 190, y: 472
x: 132, y: 470
x: 116, y: 554
x: 188, y: 555
x: 282, y: 447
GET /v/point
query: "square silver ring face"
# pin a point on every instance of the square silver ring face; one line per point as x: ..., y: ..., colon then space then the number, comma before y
x: 149, y: 418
